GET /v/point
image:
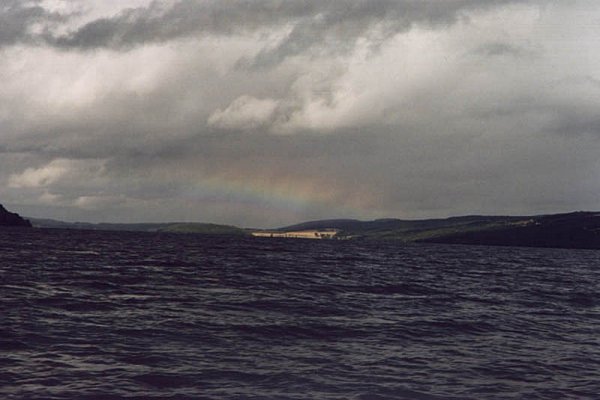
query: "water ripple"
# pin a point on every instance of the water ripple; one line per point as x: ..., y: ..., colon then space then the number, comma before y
x: 101, y: 315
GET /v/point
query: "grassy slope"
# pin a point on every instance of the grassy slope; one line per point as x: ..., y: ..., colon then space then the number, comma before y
x: 572, y: 230
x: 409, y: 230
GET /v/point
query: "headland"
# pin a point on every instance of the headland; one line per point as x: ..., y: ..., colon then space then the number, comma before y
x: 12, y: 219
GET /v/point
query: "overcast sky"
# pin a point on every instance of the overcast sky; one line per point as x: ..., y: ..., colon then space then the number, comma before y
x: 268, y: 112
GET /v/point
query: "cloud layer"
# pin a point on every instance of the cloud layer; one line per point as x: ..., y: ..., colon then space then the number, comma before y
x: 263, y: 113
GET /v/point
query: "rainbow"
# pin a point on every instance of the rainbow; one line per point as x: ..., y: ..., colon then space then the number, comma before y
x: 271, y: 194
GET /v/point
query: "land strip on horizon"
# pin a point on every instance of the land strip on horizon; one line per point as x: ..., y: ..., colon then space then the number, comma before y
x: 569, y: 230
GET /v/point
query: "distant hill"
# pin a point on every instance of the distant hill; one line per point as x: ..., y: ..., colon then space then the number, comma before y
x: 571, y: 230
x: 209, y: 229
x: 51, y: 223
x: 12, y: 219
x: 406, y: 230
x: 323, y: 224
x: 175, y: 227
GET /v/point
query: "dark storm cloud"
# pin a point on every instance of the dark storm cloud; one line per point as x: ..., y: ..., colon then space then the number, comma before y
x: 18, y: 18
x: 336, y: 22
x: 349, y: 109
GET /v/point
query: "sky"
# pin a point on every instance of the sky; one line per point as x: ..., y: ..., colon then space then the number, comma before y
x: 265, y: 113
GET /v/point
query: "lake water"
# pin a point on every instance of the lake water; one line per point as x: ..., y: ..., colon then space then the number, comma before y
x: 108, y: 315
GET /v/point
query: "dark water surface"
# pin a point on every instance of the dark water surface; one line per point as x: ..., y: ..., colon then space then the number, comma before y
x: 103, y: 315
